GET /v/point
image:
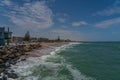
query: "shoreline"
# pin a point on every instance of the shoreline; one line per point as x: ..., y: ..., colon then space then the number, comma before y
x: 37, y: 54
x: 36, y: 68
x: 42, y: 51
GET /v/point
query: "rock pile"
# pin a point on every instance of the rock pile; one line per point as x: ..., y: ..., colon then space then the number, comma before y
x: 9, y: 55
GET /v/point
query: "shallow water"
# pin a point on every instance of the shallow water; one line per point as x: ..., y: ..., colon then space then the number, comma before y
x: 75, y: 61
x: 48, y: 67
x: 98, y: 60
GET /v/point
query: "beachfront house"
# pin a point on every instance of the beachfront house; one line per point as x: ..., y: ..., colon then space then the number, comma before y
x: 5, y: 36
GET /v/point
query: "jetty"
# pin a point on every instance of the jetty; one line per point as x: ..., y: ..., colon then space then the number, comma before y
x: 10, y: 55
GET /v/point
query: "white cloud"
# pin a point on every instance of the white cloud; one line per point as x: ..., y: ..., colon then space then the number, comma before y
x: 62, y: 31
x: 108, y: 23
x: 80, y: 23
x: 64, y: 26
x: 6, y: 2
x: 111, y: 10
x: 62, y: 20
x: 31, y: 14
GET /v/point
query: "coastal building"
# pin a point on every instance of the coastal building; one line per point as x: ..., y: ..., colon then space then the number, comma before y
x: 5, y: 36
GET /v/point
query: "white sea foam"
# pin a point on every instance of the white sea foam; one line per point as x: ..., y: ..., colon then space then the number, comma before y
x: 77, y: 75
x: 25, y: 69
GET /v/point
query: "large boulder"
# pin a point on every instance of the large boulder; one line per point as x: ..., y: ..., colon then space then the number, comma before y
x: 1, y: 61
x: 27, y: 48
x: 12, y: 75
x: 2, y: 70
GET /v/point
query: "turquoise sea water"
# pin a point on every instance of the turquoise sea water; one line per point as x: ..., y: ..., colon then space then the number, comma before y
x: 98, y: 60
x: 76, y: 61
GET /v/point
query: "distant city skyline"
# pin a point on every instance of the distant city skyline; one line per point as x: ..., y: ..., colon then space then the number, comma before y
x: 84, y: 20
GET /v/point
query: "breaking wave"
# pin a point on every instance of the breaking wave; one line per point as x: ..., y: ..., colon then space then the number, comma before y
x: 49, y: 67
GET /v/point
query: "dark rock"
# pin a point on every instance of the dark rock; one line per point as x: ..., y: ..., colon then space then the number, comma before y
x: 3, y: 76
x: 10, y: 55
x: 1, y: 61
x: 2, y: 65
x: 7, y: 64
x: 12, y: 75
x: 2, y: 70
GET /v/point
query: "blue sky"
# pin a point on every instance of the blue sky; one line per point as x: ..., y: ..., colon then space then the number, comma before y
x: 86, y: 20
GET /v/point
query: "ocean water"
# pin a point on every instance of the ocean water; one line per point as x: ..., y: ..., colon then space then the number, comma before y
x: 75, y: 61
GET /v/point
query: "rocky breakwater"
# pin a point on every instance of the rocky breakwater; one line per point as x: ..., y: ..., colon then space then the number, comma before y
x: 10, y: 55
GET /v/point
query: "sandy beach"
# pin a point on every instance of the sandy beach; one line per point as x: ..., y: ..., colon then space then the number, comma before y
x: 46, y: 48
